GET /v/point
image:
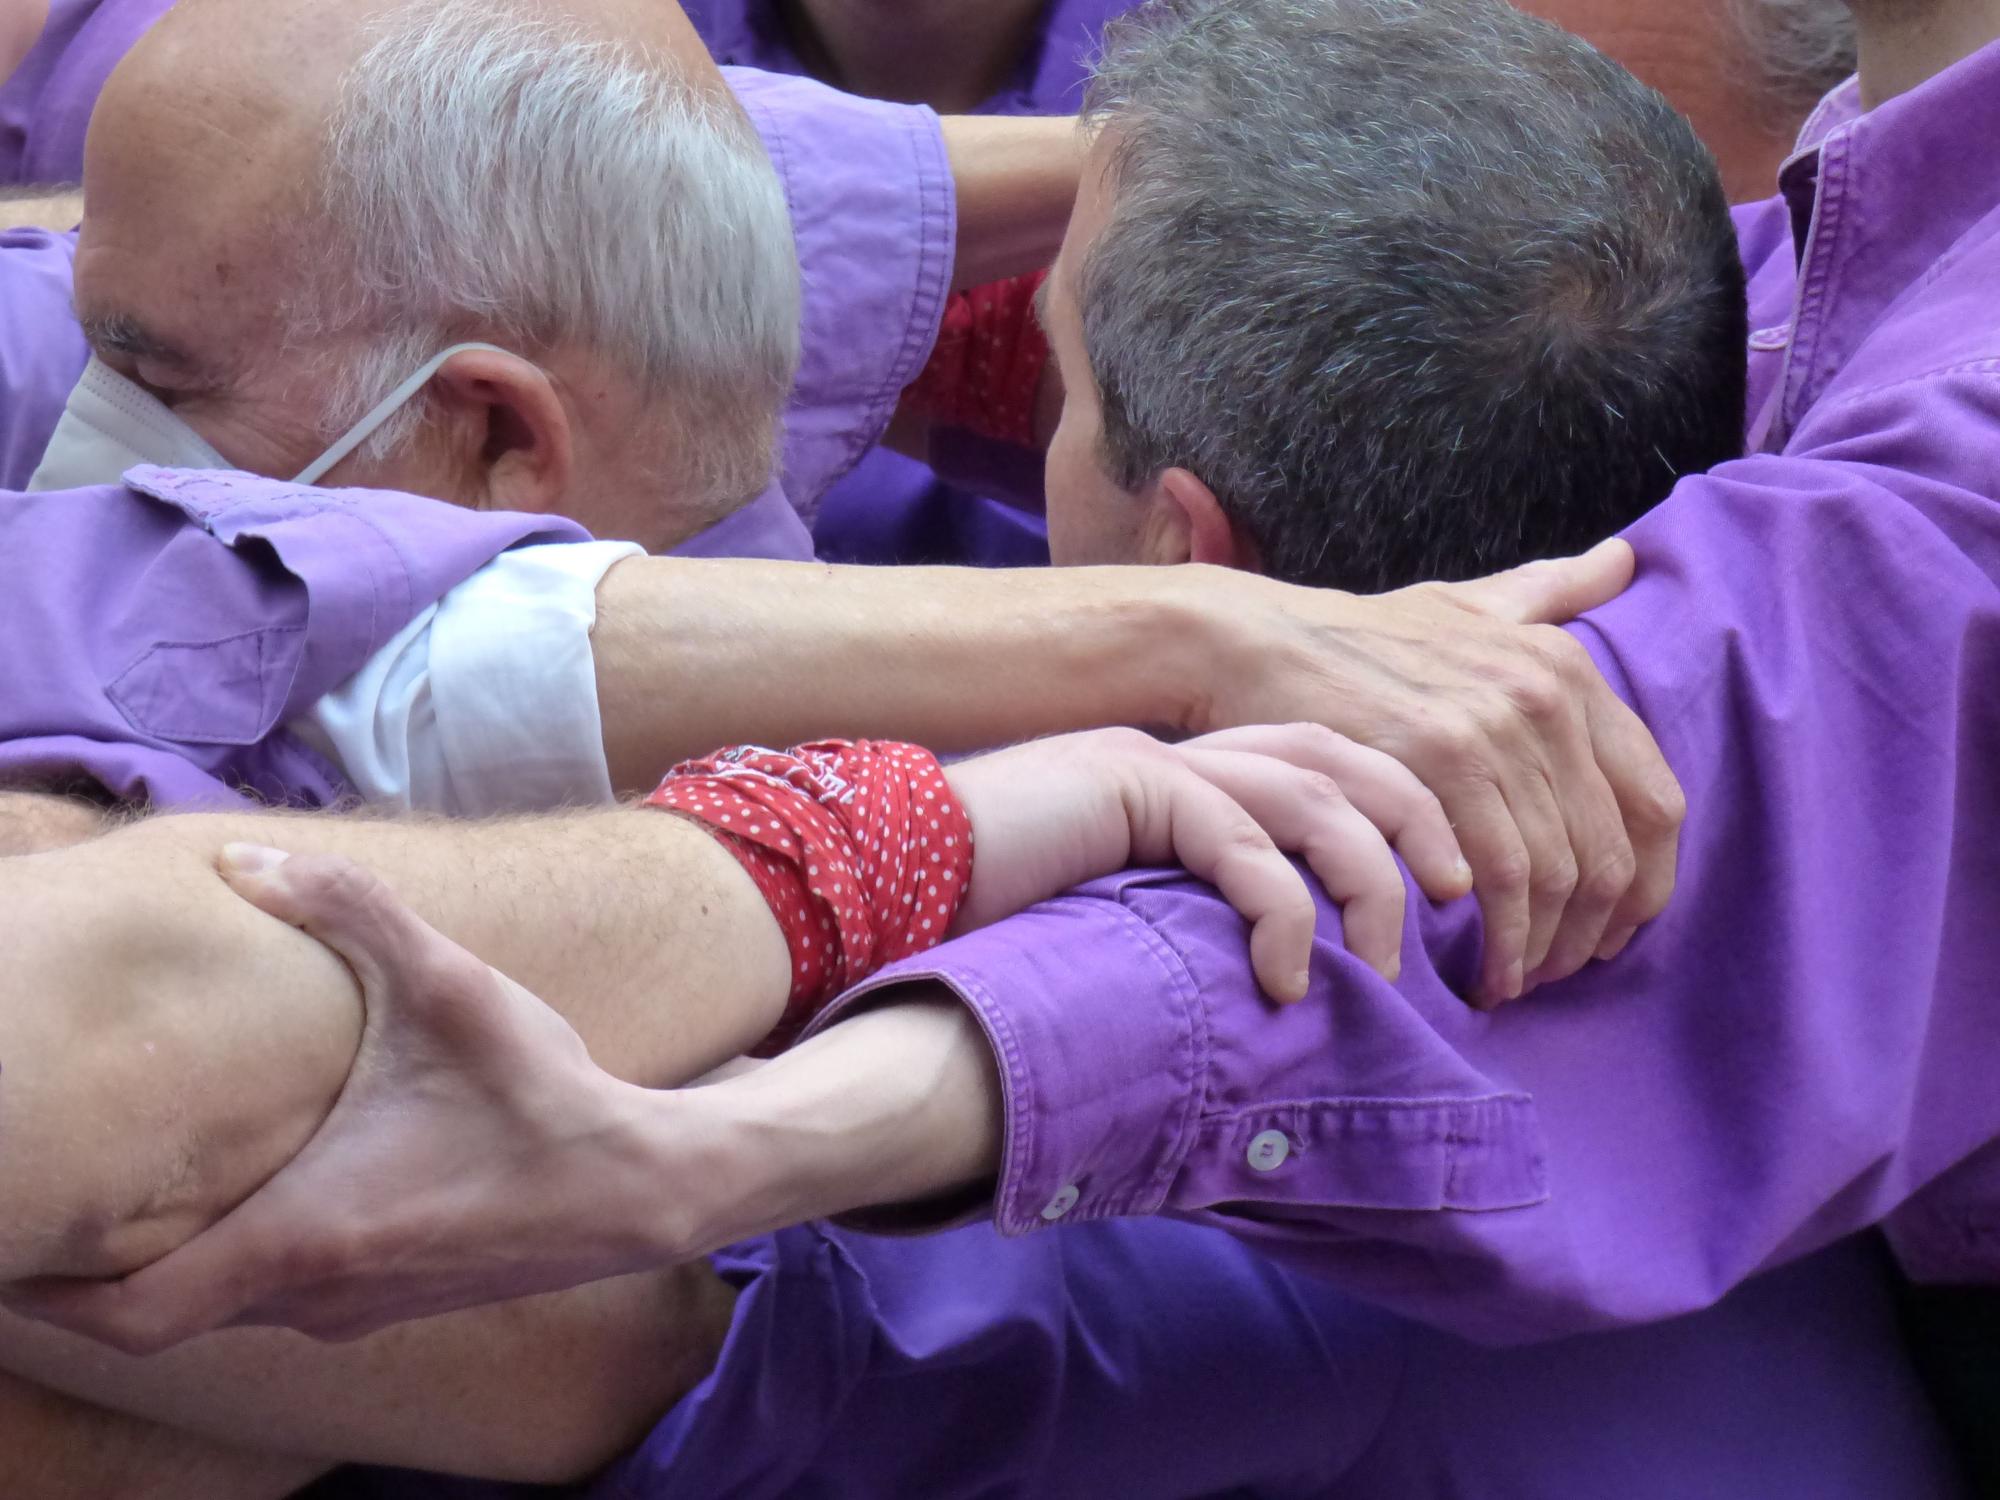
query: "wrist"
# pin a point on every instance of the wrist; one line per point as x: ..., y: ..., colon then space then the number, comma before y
x: 900, y: 1104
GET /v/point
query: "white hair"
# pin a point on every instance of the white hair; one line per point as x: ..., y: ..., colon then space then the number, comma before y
x: 496, y: 174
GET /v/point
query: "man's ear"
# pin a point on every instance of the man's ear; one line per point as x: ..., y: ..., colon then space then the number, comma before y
x: 515, y: 448
x: 1186, y: 523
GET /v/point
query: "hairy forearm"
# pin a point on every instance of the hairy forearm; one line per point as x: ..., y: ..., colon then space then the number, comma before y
x: 1016, y: 181
x: 692, y: 655
x: 165, y: 1046
x: 541, y: 1390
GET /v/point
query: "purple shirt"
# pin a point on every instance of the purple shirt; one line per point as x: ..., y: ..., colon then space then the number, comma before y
x: 45, y: 104
x: 41, y: 347
x: 873, y: 215
x: 891, y: 508
x: 160, y: 633
x: 1161, y: 1361
x: 1805, y: 1044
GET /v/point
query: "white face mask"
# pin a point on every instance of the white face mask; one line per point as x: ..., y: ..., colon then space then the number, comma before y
x: 111, y: 424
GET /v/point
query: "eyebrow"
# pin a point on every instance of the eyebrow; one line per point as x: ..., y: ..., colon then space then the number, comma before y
x: 119, y: 333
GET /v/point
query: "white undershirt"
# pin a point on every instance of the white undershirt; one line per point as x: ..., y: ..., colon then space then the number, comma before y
x: 487, y: 701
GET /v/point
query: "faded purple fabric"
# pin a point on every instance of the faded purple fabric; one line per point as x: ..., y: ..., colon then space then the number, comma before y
x: 45, y: 104
x: 42, y: 352
x: 892, y: 509
x: 1161, y: 1361
x: 161, y: 632
x: 1804, y: 1045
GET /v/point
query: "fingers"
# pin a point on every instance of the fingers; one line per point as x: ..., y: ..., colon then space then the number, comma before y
x: 1387, y: 793
x: 1654, y: 809
x: 1215, y: 839
x: 1498, y: 852
x: 1307, y: 813
x: 1554, y: 591
x: 335, y: 900
x: 205, y: 1284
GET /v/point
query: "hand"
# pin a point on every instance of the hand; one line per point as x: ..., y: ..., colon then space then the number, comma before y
x: 1565, y: 808
x: 476, y: 1153
x: 1053, y: 813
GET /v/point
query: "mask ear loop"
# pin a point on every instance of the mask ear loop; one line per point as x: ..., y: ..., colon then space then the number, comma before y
x: 384, y: 409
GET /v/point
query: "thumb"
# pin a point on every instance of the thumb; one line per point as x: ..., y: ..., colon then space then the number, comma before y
x: 1554, y: 591
x: 346, y: 907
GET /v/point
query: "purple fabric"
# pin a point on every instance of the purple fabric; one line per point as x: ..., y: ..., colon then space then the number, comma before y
x: 892, y: 509
x: 161, y: 631
x: 42, y: 352
x: 1804, y: 1044
x: 45, y: 105
x: 1153, y: 1361
x: 873, y: 213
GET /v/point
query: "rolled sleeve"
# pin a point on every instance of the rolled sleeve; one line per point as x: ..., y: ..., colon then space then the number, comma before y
x: 874, y: 215
x: 1142, y: 1073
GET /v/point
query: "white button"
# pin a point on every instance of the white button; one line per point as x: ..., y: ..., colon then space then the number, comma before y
x: 1268, y: 1150
x: 1061, y: 1204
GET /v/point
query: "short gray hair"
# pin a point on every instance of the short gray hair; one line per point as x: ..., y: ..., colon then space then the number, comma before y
x: 1419, y: 288
x: 1795, y: 51
x: 500, y: 175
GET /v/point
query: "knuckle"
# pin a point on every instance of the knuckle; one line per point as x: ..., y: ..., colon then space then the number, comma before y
x: 1322, y: 790
x: 1555, y: 878
x: 1508, y: 874
x: 1611, y: 876
x: 1661, y: 806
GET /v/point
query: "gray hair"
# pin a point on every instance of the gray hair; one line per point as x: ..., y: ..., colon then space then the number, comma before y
x: 1796, y: 50
x: 494, y: 174
x: 1419, y: 288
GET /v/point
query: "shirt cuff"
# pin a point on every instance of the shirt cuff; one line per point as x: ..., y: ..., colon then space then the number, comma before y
x: 514, y: 683
x: 1102, y: 1102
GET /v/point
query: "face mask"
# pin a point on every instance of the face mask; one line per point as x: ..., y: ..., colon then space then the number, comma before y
x: 111, y: 423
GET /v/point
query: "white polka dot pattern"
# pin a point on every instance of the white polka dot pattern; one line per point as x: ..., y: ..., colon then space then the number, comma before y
x: 830, y: 834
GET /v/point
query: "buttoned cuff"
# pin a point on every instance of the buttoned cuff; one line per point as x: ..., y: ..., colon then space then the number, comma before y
x: 1101, y: 1102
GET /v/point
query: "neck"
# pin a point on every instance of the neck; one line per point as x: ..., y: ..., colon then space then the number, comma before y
x: 944, y: 53
x: 1905, y: 42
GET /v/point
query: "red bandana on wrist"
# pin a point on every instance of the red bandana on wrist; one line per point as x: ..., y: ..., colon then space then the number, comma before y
x: 860, y: 849
x: 986, y: 368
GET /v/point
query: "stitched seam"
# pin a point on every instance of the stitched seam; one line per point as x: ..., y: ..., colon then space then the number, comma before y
x: 1187, y: 991
x: 931, y: 284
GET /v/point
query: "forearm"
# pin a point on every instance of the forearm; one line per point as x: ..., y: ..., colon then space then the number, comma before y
x: 541, y: 1390
x: 692, y: 655
x: 169, y: 1046
x: 1016, y: 181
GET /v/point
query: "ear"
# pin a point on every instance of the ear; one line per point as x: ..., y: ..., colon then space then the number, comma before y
x: 1186, y: 523
x: 515, y: 446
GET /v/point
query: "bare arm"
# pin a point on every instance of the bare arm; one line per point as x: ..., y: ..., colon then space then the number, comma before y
x: 165, y: 1048
x: 1567, y: 813
x: 1016, y: 180
x: 542, y: 1390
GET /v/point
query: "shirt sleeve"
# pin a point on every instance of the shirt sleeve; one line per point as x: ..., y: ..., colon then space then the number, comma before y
x: 875, y: 216
x: 1799, y: 1047
x: 42, y: 353
x: 487, y: 701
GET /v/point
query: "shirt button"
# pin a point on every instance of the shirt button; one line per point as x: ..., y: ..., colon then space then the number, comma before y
x: 1061, y: 1204
x: 1268, y: 1150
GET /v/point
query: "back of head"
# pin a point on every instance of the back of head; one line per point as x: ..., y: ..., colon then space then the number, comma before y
x: 1419, y: 288
x: 497, y: 170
